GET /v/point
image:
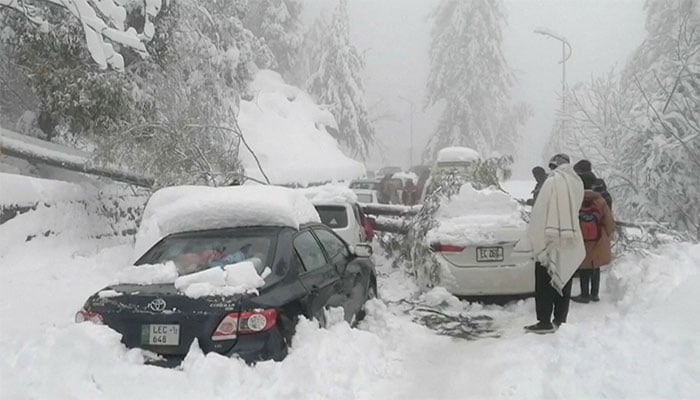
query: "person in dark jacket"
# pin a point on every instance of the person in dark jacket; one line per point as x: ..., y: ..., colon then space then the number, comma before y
x: 540, y: 176
x: 598, y: 226
x: 585, y: 167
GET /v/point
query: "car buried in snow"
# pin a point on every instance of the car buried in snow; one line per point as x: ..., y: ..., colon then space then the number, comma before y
x: 232, y: 269
x: 475, y: 230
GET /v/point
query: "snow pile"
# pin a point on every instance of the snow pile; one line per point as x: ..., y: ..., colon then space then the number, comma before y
x: 28, y: 191
x: 457, y: 154
x: 286, y: 130
x: 477, y: 216
x: 330, y: 193
x: 191, y: 208
x: 231, y: 279
x: 149, y: 274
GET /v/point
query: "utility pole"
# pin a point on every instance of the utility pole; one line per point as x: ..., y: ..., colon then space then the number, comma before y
x: 410, y: 149
x: 564, y: 56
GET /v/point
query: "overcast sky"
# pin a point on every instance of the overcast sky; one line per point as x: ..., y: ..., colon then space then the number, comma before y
x: 394, y: 36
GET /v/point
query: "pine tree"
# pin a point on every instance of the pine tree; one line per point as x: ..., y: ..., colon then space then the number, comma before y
x: 336, y: 82
x: 469, y: 74
x: 279, y: 23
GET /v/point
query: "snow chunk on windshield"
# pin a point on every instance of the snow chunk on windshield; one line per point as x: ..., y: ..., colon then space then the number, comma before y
x: 477, y: 216
x: 149, y: 274
x: 458, y: 154
x: 192, y: 208
x: 330, y: 193
x: 242, y: 277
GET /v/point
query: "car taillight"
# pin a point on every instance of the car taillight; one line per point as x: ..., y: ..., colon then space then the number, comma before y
x: 446, y: 248
x: 245, y: 323
x: 82, y: 316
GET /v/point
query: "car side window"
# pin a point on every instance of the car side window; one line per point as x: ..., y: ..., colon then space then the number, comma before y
x: 309, y: 251
x: 335, y: 248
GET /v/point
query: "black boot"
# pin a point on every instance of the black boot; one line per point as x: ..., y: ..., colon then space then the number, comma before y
x: 585, y: 280
x: 595, y: 284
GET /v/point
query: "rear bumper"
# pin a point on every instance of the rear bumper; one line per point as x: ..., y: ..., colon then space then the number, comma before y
x: 250, y: 348
x: 488, y: 280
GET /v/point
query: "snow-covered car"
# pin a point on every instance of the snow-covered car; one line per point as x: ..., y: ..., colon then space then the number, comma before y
x: 232, y: 268
x: 473, y: 243
x: 364, y: 184
x: 340, y: 210
x: 475, y: 230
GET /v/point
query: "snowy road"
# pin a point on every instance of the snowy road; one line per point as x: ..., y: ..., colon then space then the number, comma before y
x: 640, y: 341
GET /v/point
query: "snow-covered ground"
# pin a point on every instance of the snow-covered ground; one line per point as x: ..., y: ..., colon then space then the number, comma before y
x: 640, y: 341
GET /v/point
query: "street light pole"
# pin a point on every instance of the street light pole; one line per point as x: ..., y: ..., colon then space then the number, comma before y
x: 564, y: 56
x: 410, y: 149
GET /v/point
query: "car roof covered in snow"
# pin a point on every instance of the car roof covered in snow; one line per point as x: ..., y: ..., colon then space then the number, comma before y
x: 330, y: 194
x: 191, y: 208
x: 458, y: 154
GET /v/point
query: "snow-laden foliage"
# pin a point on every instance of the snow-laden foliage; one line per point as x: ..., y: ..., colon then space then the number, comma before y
x: 278, y: 22
x: 103, y: 24
x: 336, y: 81
x: 469, y: 74
x: 642, y: 129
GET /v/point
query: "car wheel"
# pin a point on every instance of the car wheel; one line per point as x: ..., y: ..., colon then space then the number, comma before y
x: 371, y: 294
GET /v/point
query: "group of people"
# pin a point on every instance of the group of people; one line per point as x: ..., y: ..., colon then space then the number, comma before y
x: 571, y: 228
x: 390, y: 191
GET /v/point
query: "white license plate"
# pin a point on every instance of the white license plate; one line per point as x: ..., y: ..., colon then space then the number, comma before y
x: 486, y: 254
x: 160, y: 334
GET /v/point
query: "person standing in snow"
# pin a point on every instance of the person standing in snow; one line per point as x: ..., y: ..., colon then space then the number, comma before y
x: 408, y: 195
x: 597, y: 227
x: 583, y: 167
x: 554, y: 238
x: 540, y: 176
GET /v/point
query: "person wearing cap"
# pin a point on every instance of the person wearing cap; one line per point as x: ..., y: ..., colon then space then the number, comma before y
x: 554, y: 239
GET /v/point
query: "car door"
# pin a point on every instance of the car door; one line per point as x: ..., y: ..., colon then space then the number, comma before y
x: 319, y: 277
x: 353, y: 282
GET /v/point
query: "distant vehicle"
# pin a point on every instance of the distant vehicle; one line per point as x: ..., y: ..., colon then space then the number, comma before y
x: 366, y: 196
x: 304, y: 266
x: 388, y: 171
x: 367, y: 184
x: 473, y: 242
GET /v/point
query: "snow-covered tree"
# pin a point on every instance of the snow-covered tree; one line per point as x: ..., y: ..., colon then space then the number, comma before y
x: 336, y: 82
x: 642, y: 130
x: 103, y: 24
x: 279, y: 23
x: 470, y: 76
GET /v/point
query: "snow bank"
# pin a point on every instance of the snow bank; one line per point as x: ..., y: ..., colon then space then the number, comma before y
x: 27, y: 191
x: 191, y: 208
x: 286, y: 130
x: 330, y: 193
x: 458, y: 154
x: 477, y: 216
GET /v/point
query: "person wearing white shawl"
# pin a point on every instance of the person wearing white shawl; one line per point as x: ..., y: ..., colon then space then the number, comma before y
x: 555, y: 241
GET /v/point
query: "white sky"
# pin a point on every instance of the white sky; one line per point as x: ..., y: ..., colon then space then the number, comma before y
x: 395, y: 35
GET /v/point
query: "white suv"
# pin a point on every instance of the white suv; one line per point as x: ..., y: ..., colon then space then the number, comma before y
x: 346, y: 219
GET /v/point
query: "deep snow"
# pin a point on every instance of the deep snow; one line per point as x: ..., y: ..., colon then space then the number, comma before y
x: 640, y: 341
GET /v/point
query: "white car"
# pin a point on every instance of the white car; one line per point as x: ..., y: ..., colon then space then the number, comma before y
x: 366, y: 196
x: 339, y: 210
x: 474, y: 239
x: 346, y: 219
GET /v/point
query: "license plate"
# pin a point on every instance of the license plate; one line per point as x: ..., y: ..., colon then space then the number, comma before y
x: 160, y: 334
x: 484, y: 254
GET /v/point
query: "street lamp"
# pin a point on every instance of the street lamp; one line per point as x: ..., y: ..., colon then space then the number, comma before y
x: 564, y: 56
x: 410, y: 149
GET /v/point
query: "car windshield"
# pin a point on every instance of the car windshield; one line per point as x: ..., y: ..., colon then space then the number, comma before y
x: 364, y: 197
x: 196, y: 251
x: 333, y: 216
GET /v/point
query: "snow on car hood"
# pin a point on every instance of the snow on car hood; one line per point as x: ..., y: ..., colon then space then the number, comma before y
x: 477, y: 216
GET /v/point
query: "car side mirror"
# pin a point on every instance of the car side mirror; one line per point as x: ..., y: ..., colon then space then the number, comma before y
x: 362, y: 250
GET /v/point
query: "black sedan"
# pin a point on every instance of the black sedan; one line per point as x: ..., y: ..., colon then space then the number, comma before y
x: 311, y: 269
